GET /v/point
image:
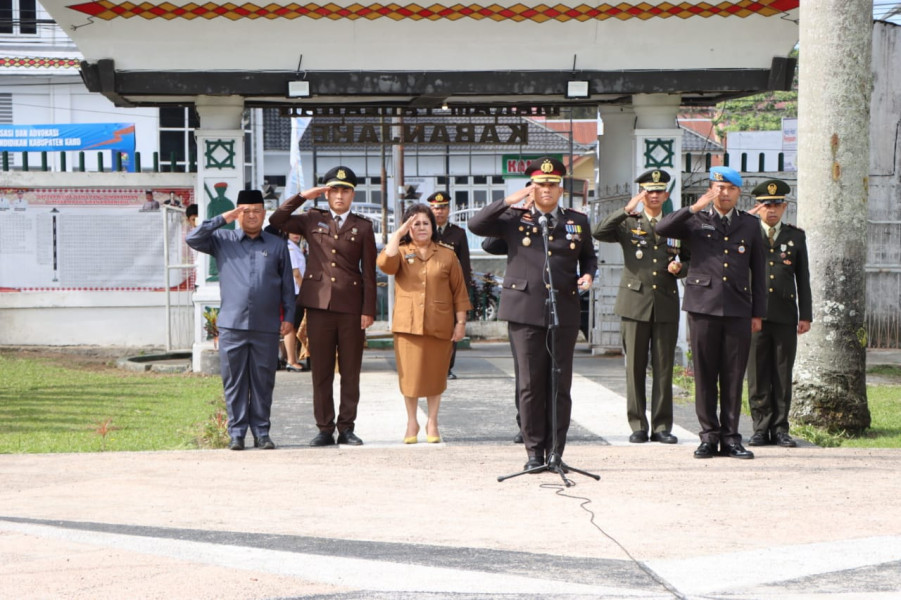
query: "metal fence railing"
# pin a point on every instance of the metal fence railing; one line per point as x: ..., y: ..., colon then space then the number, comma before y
x: 180, y: 281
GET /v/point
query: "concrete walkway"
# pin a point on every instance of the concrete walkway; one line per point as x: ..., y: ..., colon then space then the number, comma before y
x: 429, y: 521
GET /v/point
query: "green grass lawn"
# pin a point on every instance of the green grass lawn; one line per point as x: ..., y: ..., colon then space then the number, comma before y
x: 48, y: 407
x: 885, y: 415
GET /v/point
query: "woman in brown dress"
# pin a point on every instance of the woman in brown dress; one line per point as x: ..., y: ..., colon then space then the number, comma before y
x: 430, y: 304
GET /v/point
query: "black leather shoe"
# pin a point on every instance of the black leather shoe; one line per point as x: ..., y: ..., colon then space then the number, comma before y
x: 350, y: 438
x: 324, y: 438
x: 784, y: 440
x: 664, y: 437
x: 758, y: 439
x: 517, y: 439
x: 265, y: 442
x: 736, y: 451
x: 533, y: 463
x: 706, y: 450
x: 638, y: 437
x: 451, y: 375
x: 236, y: 443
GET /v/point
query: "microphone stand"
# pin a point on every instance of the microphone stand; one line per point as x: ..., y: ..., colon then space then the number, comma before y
x: 554, y: 463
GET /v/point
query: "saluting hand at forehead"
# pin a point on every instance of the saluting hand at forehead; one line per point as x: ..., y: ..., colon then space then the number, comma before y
x: 755, y: 210
x: 526, y: 193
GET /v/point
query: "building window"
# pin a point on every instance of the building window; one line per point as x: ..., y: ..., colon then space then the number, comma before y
x: 6, y: 108
x: 178, y: 149
x: 18, y: 17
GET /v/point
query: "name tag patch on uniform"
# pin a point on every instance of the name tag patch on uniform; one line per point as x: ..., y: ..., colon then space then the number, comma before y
x: 322, y: 224
x: 706, y: 226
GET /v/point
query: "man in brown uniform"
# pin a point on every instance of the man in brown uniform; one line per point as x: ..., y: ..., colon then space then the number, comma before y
x: 455, y: 236
x: 338, y: 293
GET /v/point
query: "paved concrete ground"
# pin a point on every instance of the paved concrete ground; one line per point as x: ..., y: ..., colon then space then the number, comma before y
x: 430, y: 521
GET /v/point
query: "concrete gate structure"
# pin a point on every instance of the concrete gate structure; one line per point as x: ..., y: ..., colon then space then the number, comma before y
x: 637, y: 61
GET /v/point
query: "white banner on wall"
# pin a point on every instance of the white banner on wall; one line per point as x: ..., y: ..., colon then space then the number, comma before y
x: 86, y: 239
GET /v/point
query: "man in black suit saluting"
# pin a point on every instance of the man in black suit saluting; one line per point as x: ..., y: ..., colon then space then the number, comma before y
x: 725, y: 298
x: 519, y: 219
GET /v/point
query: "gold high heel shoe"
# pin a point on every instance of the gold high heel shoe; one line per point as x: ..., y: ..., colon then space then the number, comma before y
x: 432, y: 439
x: 412, y: 439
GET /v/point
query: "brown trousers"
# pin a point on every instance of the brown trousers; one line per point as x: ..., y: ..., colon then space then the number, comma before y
x: 332, y: 333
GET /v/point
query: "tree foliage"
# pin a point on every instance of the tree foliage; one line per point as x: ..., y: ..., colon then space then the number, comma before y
x: 761, y: 112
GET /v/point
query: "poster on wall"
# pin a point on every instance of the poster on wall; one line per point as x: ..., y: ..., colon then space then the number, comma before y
x: 89, y: 238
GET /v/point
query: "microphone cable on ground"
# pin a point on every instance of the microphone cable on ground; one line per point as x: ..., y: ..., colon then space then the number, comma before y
x: 560, y: 491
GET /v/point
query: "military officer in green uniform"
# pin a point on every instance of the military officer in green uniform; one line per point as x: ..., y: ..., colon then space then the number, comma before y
x: 789, y: 313
x: 648, y: 303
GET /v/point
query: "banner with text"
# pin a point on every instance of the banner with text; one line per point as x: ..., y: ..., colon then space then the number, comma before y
x: 118, y: 137
x: 90, y: 238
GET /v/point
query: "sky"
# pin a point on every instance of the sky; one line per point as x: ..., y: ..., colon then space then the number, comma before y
x: 883, y: 8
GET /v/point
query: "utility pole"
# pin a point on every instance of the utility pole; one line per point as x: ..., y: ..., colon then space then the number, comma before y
x: 833, y: 173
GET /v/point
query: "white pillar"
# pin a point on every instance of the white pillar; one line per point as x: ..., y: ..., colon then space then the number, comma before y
x: 615, y: 148
x: 220, y: 176
x: 658, y: 139
x: 658, y: 145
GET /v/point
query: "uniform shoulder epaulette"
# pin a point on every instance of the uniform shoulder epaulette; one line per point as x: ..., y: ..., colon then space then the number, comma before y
x: 358, y: 215
x: 523, y: 208
x: 446, y: 245
x: 790, y: 226
x: 316, y: 208
x: 578, y: 212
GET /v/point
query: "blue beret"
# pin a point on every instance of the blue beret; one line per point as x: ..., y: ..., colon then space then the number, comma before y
x: 725, y: 174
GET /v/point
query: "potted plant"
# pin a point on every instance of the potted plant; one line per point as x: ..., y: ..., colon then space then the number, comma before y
x: 210, y: 318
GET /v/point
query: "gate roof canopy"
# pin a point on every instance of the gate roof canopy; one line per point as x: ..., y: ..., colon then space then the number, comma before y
x: 162, y: 52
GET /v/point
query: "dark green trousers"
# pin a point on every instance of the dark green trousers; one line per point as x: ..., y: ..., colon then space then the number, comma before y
x: 642, y: 339
x: 770, y: 367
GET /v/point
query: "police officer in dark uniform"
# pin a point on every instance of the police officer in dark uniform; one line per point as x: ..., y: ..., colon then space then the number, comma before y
x: 648, y: 303
x: 338, y: 293
x: 789, y: 312
x: 455, y: 236
x: 519, y: 219
x: 725, y: 298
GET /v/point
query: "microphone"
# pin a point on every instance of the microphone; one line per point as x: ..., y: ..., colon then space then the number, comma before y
x: 542, y: 220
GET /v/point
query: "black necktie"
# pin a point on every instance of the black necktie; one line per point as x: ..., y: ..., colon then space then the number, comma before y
x: 725, y: 221
x: 550, y: 220
x: 338, y: 222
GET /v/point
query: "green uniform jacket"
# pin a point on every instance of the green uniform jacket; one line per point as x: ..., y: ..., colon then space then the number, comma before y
x: 647, y: 289
x: 788, y: 277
